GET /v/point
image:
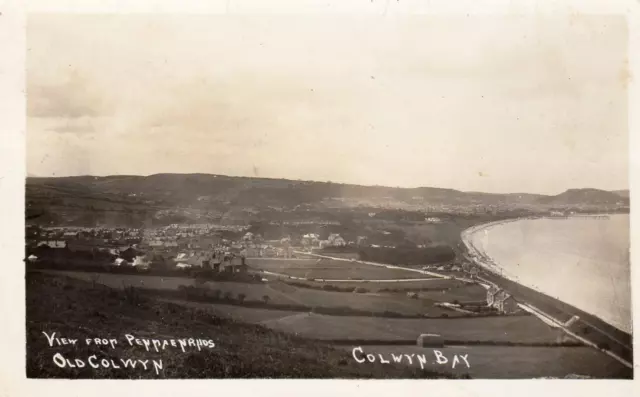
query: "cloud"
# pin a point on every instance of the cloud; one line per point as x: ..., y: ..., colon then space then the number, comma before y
x: 74, y: 97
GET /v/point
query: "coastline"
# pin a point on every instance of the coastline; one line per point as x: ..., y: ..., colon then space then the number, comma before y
x: 482, y: 259
x: 609, y: 338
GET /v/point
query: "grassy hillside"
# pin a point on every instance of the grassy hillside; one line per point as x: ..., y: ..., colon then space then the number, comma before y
x: 78, y: 309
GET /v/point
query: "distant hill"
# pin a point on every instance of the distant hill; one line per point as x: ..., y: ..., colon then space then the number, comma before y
x: 585, y: 197
x: 622, y: 193
x: 180, y: 197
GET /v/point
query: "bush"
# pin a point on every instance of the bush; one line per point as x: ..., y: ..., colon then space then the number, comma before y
x: 241, y: 297
x: 361, y: 290
x: 132, y: 295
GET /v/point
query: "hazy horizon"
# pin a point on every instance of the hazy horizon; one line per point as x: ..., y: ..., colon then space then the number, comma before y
x: 315, y: 181
x: 496, y: 104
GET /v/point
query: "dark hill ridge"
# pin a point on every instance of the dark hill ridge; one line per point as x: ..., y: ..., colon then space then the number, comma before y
x: 186, y: 197
x: 203, y: 184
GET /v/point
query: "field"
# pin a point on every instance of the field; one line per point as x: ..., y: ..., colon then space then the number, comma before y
x: 76, y: 309
x: 278, y: 293
x: 520, y: 329
x: 465, y: 293
x: 292, y: 340
x: 330, y: 269
x: 428, y: 284
x: 517, y: 329
x: 515, y: 362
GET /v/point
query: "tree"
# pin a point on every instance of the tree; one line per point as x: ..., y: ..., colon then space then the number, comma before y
x: 228, y: 296
x: 266, y: 299
x: 241, y: 297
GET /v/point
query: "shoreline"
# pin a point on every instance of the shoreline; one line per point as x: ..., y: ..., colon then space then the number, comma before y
x: 482, y: 259
x: 612, y: 335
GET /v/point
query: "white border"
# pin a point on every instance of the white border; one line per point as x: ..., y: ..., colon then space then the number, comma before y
x: 12, y: 172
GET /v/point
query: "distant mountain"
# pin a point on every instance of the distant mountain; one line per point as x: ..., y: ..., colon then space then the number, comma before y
x: 622, y: 193
x: 585, y: 197
x: 178, y: 197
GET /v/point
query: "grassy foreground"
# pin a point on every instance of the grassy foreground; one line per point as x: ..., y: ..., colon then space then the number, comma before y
x: 78, y: 309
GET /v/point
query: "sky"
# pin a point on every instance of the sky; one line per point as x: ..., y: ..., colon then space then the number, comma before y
x: 482, y: 103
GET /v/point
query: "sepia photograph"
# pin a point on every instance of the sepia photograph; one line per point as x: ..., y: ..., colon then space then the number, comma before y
x: 327, y: 196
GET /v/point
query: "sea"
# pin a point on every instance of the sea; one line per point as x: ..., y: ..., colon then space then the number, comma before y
x: 582, y: 261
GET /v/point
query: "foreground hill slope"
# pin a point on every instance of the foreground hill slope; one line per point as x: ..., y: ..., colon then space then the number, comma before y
x: 77, y: 309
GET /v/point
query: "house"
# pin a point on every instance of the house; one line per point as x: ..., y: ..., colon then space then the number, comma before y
x: 181, y: 257
x: 501, y: 300
x: 141, y: 261
x: 58, y: 244
x: 505, y: 303
x: 71, y: 235
x: 226, y: 267
x: 336, y: 241
x: 200, y: 259
x: 53, y: 244
x: 310, y: 240
x: 120, y: 262
x: 128, y: 253
x: 491, y: 294
x: 239, y: 265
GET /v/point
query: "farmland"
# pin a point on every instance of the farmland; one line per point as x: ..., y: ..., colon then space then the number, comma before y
x: 427, y: 283
x: 278, y: 293
x: 516, y: 329
x: 330, y: 269
x: 75, y: 308
x: 522, y: 329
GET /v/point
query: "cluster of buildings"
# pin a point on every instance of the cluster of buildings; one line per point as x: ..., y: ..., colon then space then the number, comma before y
x: 312, y: 240
x: 174, y: 246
